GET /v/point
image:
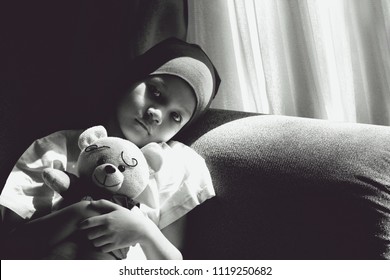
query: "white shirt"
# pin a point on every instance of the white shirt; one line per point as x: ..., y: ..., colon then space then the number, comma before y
x: 181, y: 183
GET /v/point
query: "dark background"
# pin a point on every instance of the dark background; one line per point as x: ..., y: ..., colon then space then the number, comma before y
x: 57, y: 59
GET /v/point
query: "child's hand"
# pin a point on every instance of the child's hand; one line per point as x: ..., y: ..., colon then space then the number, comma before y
x: 117, y: 227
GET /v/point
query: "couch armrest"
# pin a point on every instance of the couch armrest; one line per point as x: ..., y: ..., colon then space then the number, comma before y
x: 291, y: 188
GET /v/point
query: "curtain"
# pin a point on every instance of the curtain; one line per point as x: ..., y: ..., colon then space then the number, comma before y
x: 327, y: 59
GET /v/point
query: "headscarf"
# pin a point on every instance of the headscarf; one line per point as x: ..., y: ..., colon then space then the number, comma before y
x: 187, y: 61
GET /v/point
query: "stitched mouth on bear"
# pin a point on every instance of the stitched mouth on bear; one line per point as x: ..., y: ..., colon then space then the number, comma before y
x: 104, y: 182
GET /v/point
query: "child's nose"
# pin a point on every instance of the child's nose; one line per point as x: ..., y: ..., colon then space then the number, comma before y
x: 155, y: 115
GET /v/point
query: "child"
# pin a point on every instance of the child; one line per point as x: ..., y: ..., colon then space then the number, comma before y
x: 171, y: 85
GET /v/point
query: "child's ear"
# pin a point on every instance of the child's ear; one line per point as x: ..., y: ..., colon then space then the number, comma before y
x: 153, y: 153
x: 90, y: 136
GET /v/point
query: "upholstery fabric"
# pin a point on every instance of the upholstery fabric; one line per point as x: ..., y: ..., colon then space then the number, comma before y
x: 291, y: 188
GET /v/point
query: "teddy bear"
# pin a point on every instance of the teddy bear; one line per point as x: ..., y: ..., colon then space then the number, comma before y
x: 109, y: 168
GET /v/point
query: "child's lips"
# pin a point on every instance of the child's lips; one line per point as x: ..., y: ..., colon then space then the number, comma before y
x: 143, y: 125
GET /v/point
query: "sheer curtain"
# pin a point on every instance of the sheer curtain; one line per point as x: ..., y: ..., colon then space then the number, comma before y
x: 326, y: 59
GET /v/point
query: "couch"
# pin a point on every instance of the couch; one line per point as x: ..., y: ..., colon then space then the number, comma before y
x: 290, y: 188
x: 286, y: 187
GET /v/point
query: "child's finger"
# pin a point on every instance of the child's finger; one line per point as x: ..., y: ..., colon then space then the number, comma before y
x: 104, y: 206
x: 111, y: 247
x: 92, y: 222
x: 101, y: 241
x: 96, y: 232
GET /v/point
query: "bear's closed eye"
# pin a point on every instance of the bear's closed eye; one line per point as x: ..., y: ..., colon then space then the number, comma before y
x: 133, y: 163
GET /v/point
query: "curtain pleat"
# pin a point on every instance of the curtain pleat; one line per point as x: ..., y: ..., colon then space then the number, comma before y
x: 310, y: 58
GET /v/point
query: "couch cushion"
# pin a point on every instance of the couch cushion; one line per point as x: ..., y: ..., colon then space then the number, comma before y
x: 293, y: 188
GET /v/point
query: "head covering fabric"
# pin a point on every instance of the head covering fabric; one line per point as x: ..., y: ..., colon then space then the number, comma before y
x: 196, y: 74
x: 185, y: 60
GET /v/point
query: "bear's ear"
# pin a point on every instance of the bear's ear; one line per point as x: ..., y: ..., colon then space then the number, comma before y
x: 153, y: 153
x: 90, y: 136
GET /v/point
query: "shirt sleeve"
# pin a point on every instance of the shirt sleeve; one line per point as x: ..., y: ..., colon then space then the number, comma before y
x: 24, y: 192
x: 183, y: 182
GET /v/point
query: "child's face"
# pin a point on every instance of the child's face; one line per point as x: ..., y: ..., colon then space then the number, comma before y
x: 155, y: 109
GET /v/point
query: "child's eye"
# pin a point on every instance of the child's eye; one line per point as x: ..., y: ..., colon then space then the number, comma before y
x: 155, y: 91
x: 176, y: 117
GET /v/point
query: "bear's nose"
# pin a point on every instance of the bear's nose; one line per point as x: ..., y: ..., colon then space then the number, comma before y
x: 109, y: 169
